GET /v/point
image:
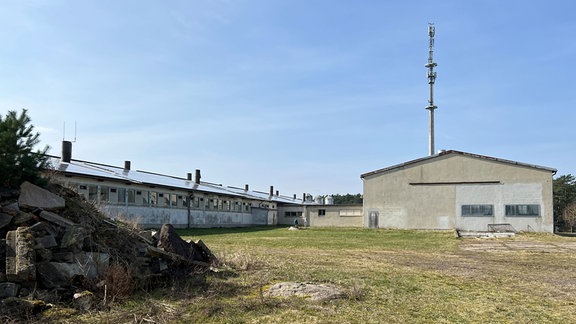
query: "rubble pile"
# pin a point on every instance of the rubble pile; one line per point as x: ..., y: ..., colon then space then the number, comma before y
x: 57, y: 246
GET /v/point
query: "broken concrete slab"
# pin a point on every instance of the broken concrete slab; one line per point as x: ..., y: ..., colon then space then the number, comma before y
x: 20, y: 256
x: 56, y: 219
x: 32, y: 196
x: 171, y: 242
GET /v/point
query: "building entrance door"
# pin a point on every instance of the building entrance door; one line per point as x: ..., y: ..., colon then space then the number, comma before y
x: 373, y: 219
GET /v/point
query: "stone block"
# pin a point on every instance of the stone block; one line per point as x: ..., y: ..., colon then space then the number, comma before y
x: 20, y: 256
x: 32, y: 196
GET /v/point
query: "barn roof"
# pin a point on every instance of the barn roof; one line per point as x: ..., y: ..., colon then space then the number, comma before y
x: 453, y: 152
x: 122, y: 175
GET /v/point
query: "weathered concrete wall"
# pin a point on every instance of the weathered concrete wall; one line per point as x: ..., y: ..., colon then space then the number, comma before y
x: 155, y: 217
x: 426, y: 195
x: 335, y: 216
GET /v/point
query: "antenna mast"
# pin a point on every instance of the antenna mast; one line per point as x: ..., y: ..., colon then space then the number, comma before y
x: 431, y: 78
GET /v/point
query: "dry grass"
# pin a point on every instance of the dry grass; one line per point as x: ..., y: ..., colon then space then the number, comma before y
x: 389, y: 276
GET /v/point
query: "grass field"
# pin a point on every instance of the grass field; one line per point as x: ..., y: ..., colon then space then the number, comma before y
x: 389, y: 276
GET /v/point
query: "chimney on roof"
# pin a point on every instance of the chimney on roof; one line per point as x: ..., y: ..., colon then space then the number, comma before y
x: 246, y: 187
x: 303, y: 197
x: 277, y: 193
x: 197, y: 178
x: 127, y: 165
x: 189, y: 176
x: 66, y: 151
x: 271, y: 190
x: 294, y: 196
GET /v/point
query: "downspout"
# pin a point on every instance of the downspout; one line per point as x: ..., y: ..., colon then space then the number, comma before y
x: 190, y: 201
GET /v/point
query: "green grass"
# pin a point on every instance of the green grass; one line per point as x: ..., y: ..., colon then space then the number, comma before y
x: 390, y: 276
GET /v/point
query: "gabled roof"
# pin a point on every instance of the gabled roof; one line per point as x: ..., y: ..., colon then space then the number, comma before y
x: 119, y: 174
x: 453, y: 152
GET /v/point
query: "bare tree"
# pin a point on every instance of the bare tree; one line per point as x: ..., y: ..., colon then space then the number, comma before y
x: 569, y: 215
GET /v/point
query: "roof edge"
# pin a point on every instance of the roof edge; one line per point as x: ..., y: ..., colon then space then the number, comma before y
x: 448, y: 152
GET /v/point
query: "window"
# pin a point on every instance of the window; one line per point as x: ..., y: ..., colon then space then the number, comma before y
x: 174, y: 201
x: 131, y: 196
x: 350, y: 212
x: 477, y: 210
x: 523, y: 210
x: 321, y: 212
x: 92, y: 193
x: 153, y: 198
x: 142, y: 198
x: 293, y: 214
x: 121, y: 196
x: 104, y: 194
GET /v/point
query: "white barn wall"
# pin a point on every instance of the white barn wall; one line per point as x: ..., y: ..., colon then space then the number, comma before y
x: 428, y: 193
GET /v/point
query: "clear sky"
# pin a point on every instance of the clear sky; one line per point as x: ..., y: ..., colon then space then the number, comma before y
x: 304, y: 95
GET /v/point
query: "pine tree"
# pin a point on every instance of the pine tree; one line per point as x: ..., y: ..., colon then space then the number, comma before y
x: 18, y: 160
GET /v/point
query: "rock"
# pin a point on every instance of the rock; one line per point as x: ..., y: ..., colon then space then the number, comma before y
x: 74, y: 238
x: 21, y: 310
x: 32, y: 196
x: 8, y: 289
x: 316, y: 292
x: 5, y: 219
x: 45, y: 242
x: 20, y: 266
x: 11, y: 209
x: 57, y: 274
x: 22, y: 218
x: 92, y: 264
x: 56, y: 219
x: 171, y: 242
x: 84, y: 301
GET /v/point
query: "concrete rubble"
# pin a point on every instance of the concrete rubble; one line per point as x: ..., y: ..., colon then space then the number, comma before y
x: 58, y: 246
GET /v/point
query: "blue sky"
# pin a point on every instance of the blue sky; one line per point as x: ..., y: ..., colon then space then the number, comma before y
x: 304, y: 95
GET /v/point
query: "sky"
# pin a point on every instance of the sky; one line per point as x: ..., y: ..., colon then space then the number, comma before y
x: 302, y: 95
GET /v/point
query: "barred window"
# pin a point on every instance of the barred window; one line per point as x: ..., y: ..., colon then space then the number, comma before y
x: 477, y: 210
x: 523, y: 210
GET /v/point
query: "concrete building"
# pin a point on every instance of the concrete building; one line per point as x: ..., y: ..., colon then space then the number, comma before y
x: 458, y: 190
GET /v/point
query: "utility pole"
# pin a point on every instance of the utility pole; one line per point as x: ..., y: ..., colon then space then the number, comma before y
x: 431, y: 78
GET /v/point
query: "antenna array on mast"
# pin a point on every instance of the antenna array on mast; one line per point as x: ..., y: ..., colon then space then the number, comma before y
x: 431, y: 79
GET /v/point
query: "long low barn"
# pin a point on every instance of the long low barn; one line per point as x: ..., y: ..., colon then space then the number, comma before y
x: 152, y: 199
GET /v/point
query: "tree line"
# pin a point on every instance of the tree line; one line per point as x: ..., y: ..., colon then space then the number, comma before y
x: 564, y: 188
